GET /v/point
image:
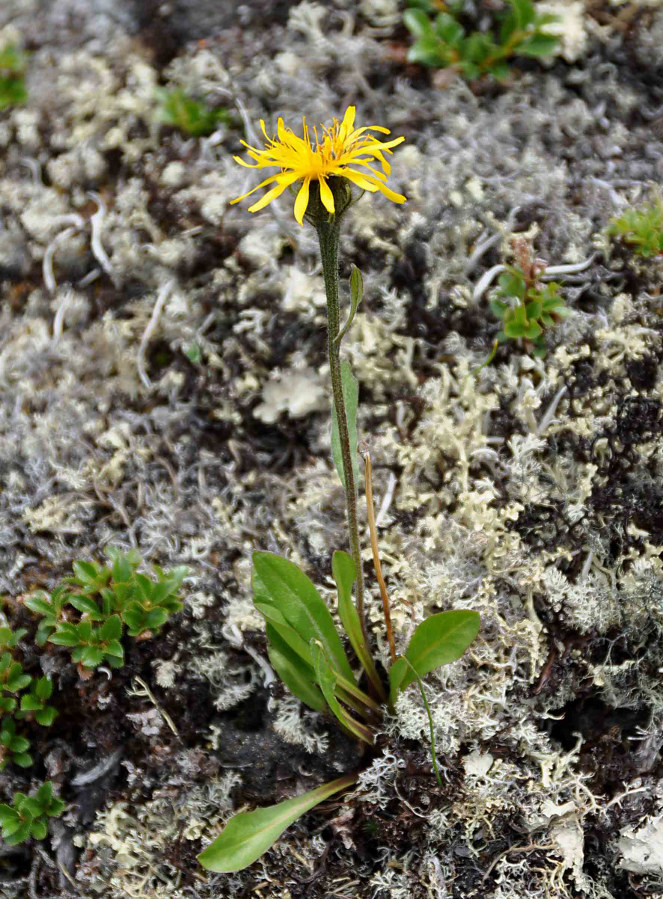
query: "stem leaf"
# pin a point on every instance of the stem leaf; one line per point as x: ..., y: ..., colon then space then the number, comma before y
x: 351, y: 398
x: 247, y: 835
x: 356, y: 295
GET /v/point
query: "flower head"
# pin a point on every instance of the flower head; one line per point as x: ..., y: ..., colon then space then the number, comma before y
x: 343, y: 152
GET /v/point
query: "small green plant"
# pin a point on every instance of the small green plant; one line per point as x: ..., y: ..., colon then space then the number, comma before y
x: 35, y: 703
x: 28, y: 816
x: 12, y: 77
x: 108, y: 598
x: 443, y: 42
x: 16, y: 704
x: 13, y: 747
x: 526, y: 308
x: 641, y: 229
x: 304, y: 646
x: 191, y: 116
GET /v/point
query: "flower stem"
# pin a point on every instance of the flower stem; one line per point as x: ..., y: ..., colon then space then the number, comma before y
x: 329, y: 237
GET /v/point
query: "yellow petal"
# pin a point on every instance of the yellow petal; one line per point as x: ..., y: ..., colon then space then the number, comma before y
x: 348, y: 122
x: 390, y: 195
x: 360, y: 180
x: 257, y: 187
x: 272, y: 194
x: 326, y: 196
x: 247, y: 165
x: 302, y: 200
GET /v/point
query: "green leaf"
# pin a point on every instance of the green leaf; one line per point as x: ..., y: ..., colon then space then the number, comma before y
x: 356, y: 294
x: 248, y: 835
x: 86, y: 572
x: 56, y: 808
x: 156, y: 618
x: 508, y: 27
x: 91, y: 656
x: 345, y: 573
x: 38, y: 829
x: 512, y: 284
x: 278, y: 582
x: 438, y: 640
x: 8, y: 816
x: 44, y: 688
x: 538, y: 45
x: 46, y: 716
x: 448, y: 29
x: 45, y: 793
x: 326, y: 678
x: 19, y: 835
x: 350, y: 387
x: 24, y: 760
x: 417, y: 22
x: 19, y: 745
x: 298, y: 677
x: 111, y: 629
x: 30, y: 703
x: 287, y: 633
x: 87, y: 606
x: 429, y: 51
x: 524, y: 12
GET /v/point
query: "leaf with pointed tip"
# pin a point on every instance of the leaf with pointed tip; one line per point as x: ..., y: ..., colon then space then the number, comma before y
x: 249, y: 834
x: 356, y: 294
x: 280, y: 583
x: 438, y: 640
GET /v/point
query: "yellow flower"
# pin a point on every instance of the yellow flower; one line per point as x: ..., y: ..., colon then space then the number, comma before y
x: 344, y: 152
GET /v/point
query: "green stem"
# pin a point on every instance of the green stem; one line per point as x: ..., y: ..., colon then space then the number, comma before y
x: 329, y: 237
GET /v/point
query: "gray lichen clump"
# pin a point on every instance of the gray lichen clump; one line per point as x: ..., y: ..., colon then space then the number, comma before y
x: 161, y: 388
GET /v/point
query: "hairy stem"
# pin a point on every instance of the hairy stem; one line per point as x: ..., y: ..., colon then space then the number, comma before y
x: 329, y: 236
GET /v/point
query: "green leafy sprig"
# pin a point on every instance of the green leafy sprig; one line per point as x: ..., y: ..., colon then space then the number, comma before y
x: 28, y: 816
x: 13, y: 65
x: 108, y: 599
x: 16, y: 704
x: 187, y: 114
x: 641, y: 229
x: 526, y: 308
x: 442, y: 42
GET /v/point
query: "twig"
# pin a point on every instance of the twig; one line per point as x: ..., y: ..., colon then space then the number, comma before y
x: 550, y: 411
x: 163, y: 295
x: 96, y: 221
x: 486, y: 280
x: 146, y: 693
x: 370, y: 511
x: 47, y: 264
x: 531, y: 848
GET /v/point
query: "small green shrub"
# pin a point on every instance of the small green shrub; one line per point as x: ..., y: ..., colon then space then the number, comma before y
x: 108, y: 598
x: 443, y: 42
x: 28, y: 816
x: 16, y: 704
x: 13, y: 746
x: 12, y: 77
x: 641, y: 229
x: 526, y: 308
x: 191, y: 116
